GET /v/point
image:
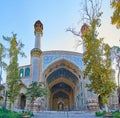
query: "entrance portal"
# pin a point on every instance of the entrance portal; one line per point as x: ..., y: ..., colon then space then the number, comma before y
x: 22, y: 101
x: 61, y: 97
x: 62, y: 80
x: 60, y: 106
x: 60, y: 101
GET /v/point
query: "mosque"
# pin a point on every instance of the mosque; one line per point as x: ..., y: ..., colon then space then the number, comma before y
x: 62, y: 71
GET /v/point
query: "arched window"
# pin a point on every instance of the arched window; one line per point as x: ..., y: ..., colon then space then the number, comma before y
x: 21, y: 72
x: 27, y: 71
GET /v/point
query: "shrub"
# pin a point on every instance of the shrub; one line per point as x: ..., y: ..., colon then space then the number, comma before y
x: 8, y: 114
x: 12, y: 114
x: 100, y: 113
x: 116, y: 114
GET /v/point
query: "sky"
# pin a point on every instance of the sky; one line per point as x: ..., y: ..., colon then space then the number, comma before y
x: 19, y: 16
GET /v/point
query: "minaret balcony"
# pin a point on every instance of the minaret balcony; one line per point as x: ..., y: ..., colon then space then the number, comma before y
x: 36, y: 51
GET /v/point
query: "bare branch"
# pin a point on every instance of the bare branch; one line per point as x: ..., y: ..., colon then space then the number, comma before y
x: 73, y: 31
x: 86, y: 11
x: 92, y: 10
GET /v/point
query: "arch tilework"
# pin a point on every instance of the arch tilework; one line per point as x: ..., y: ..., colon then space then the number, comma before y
x: 60, y: 94
x: 61, y: 85
x: 62, y: 72
x: 48, y: 59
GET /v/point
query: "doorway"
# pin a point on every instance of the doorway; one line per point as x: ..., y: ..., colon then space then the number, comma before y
x: 22, y: 101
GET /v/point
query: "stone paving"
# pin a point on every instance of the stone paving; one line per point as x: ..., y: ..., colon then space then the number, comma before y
x: 62, y: 114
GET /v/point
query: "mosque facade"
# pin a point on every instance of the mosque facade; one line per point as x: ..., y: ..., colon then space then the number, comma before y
x: 62, y: 72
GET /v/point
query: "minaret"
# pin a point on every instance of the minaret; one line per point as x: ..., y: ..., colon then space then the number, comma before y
x: 36, y: 53
x: 84, y: 30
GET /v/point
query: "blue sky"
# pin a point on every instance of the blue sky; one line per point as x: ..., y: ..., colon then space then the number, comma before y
x: 19, y: 16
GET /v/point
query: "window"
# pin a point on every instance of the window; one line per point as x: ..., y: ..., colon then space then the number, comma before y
x: 21, y: 72
x: 27, y: 71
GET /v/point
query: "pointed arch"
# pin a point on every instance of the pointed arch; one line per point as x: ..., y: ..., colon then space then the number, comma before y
x: 62, y: 71
x: 62, y: 63
x: 22, y: 101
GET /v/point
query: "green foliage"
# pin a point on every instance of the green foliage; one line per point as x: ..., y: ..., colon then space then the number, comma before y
x: 2, y: 56
x: 13, y: 76
x: 13, y: 114
x: 116, y: 115
x: 115, y: 19
x: 9, y: 114
x: 99, y: 113
x: 35, y: 90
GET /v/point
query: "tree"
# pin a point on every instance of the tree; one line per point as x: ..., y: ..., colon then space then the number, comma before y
x: 115, y: 19
x: 115, y: 55
x: 97, y: 57
x: 97, y: 54
x: 3, y: 65
x: 35, y: 90
x: 13, y: 76
x: 98, y: 69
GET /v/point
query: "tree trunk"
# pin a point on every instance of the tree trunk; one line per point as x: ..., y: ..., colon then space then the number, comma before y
x: 106, y: 108
x: 118, y: 76
x: 32, y: 104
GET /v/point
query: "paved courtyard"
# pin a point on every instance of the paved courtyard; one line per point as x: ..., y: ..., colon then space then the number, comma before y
x: 61, y: 114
